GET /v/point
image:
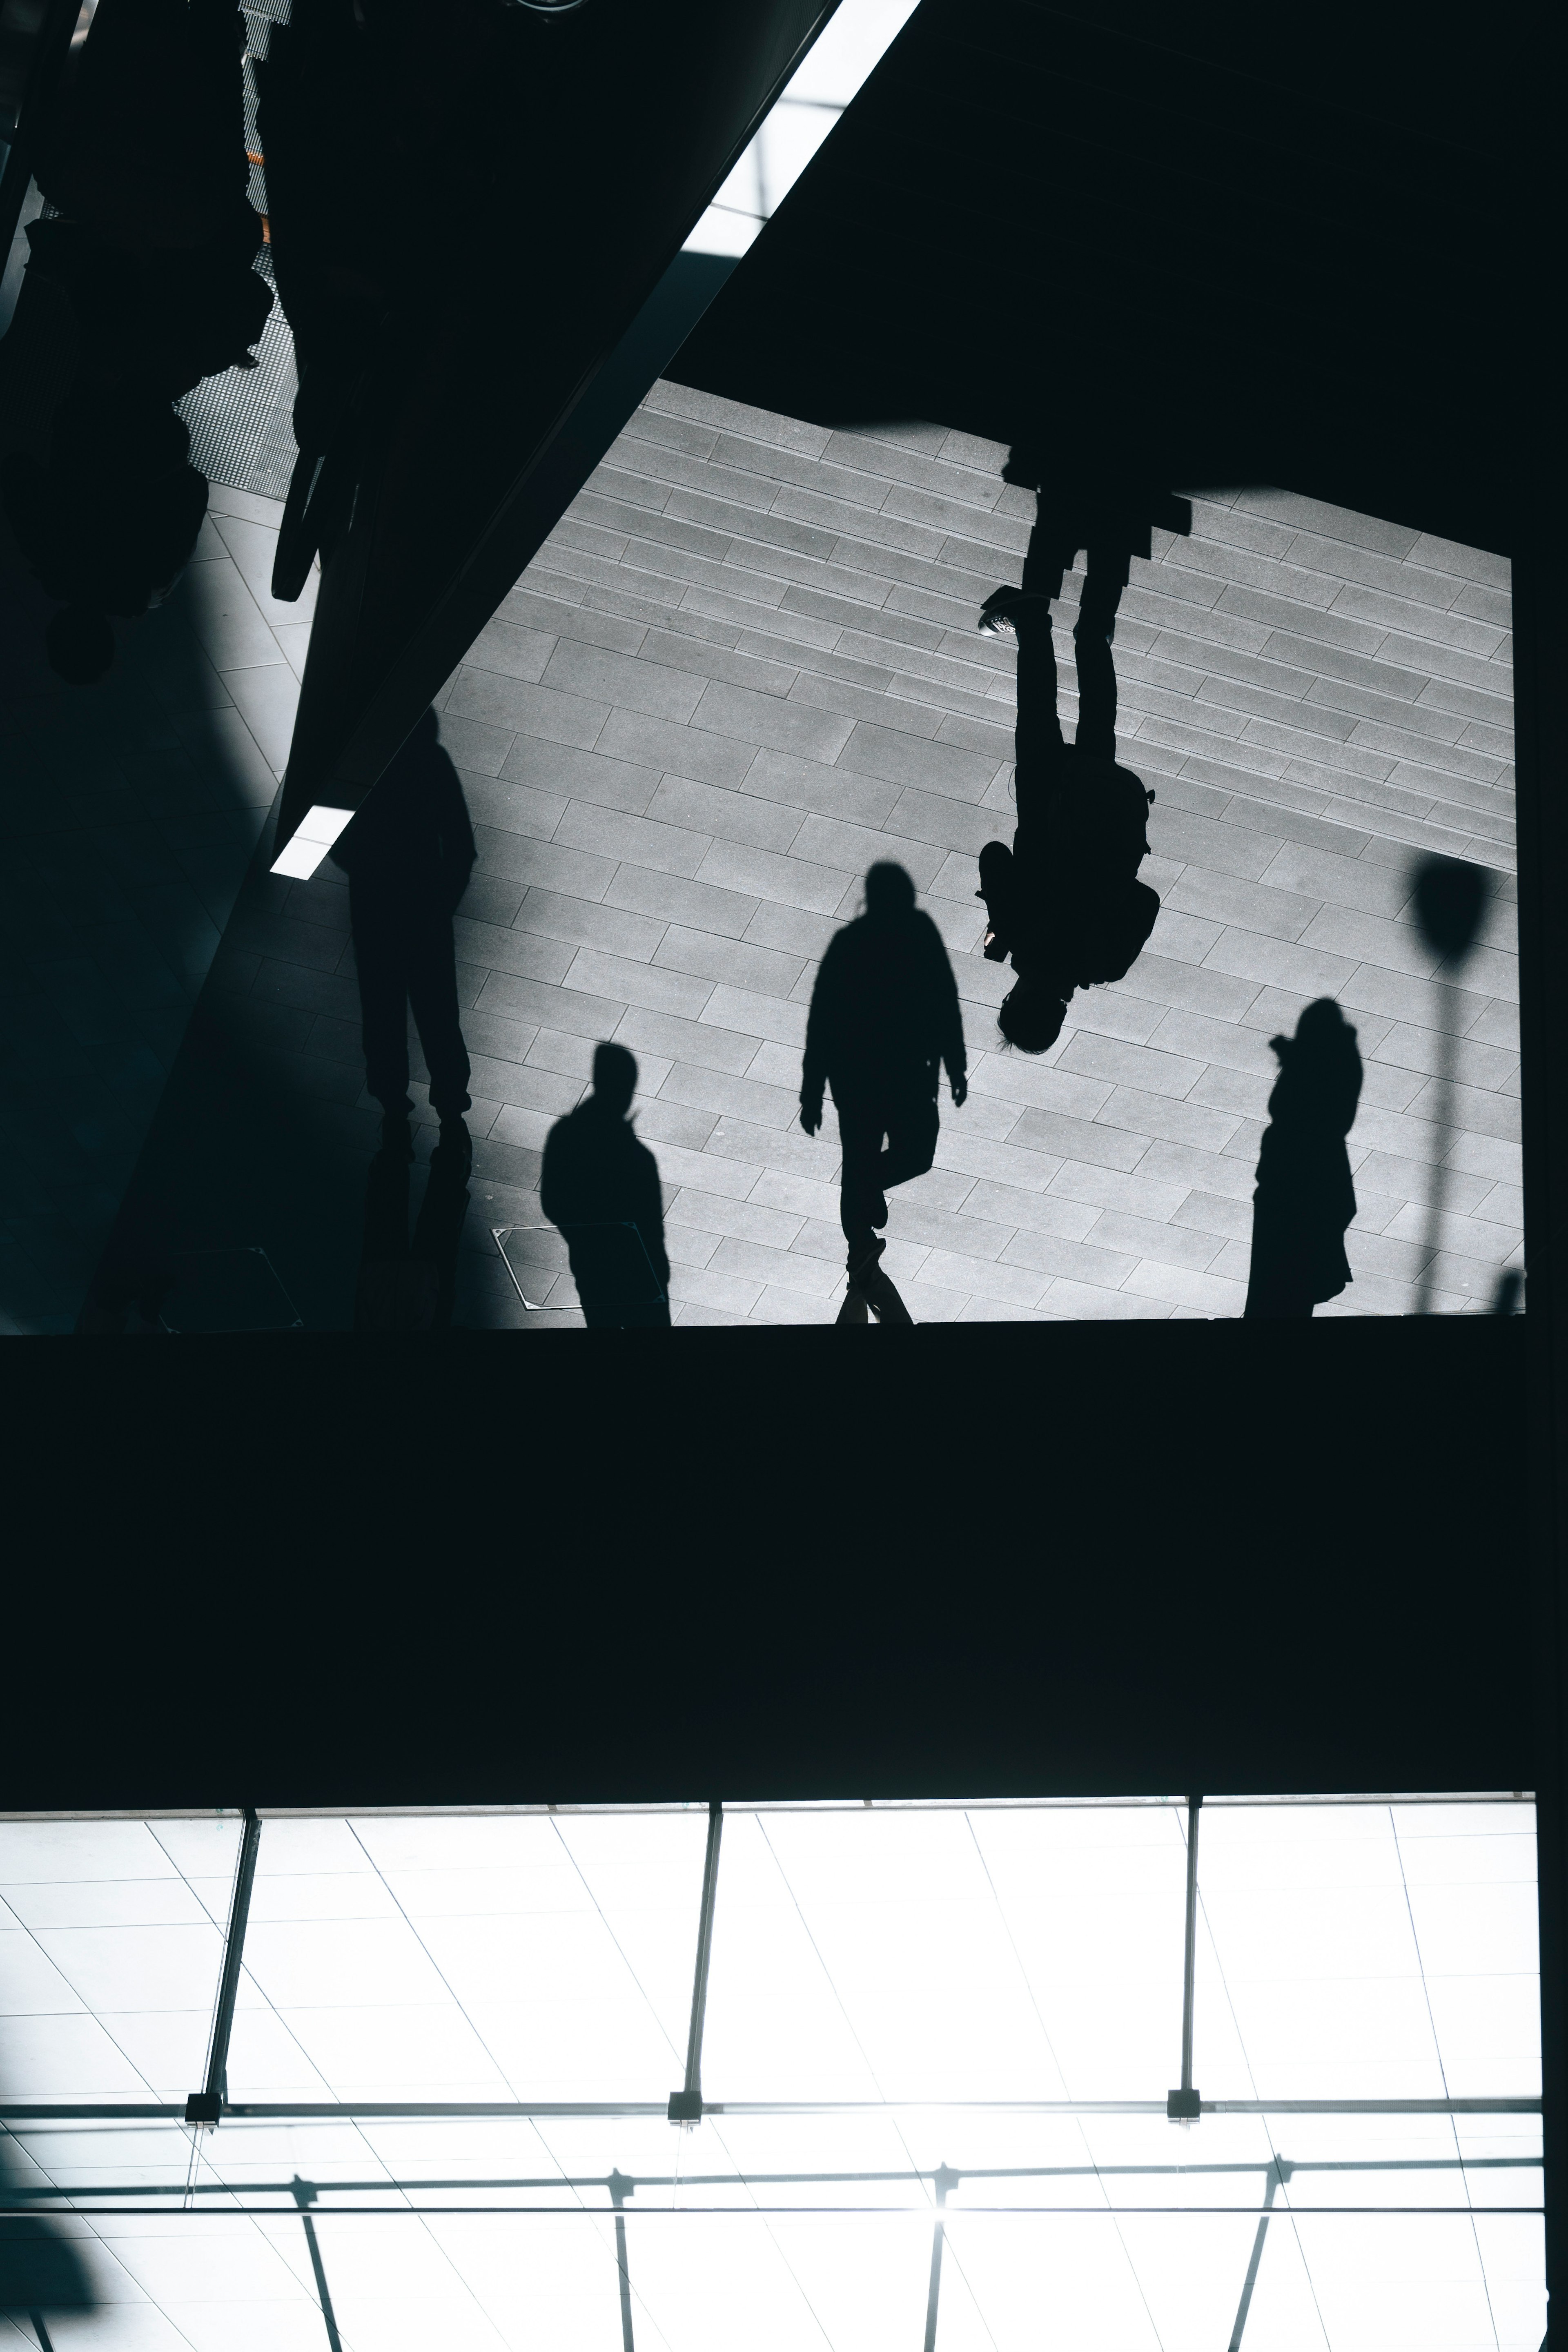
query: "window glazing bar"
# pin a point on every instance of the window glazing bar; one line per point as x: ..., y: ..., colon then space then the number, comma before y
x: 402, y: 2111
x: 686, y: 2105
x: 942, y: 2182
x: 1183, y: 2105
x: 620, y: 2188
x: 205, y: 2106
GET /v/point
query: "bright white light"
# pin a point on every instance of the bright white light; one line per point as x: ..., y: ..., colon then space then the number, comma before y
x: 318, y: 829
x: 856, y: 40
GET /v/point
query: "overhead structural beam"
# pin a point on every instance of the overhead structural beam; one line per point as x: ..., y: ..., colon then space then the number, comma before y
x: 1183, y: 2105
x: 206, y: 2105
x: 522, y: 2111
x: 686, y: 2105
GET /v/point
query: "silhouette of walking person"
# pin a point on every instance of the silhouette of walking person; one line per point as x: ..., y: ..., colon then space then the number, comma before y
x: 1305, y: 1200
x: 600, y: 1185
x: 884, y: 1022
x: 408, y: 853
x: 1064, y: 901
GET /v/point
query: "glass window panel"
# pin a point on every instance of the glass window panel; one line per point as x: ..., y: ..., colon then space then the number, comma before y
x: 1399, y: 2282
x: 1002, y: 2272
x: 1095, y: 1903
x: 709, y: 2283
x: 1513, y: 2255
x: 899, y: 1917
x: 1470, y: 1871
x: 1309, y: 1957
x: 539, y: 2281
x: 522, y: 1957
x: 112, y: 1919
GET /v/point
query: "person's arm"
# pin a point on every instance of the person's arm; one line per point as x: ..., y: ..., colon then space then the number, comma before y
x: 948, y: 1022
x: 650, y: 1218
x: 821, y: 1026
x: 998, y: 887
x: 457, y: 834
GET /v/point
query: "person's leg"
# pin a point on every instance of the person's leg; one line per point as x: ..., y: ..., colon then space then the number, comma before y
x: 433, y: 992
x: 861, y: 1208
x: 1037, y: 738
x: 912, y: 1128
x: 381, y: 959
x: 1109, y: 569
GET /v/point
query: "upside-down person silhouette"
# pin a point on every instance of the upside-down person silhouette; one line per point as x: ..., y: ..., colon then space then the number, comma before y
x: 1064, y: 901
x: 600, y: 1185
x: 884, y: 1021
x: 1305, y: 1198
x: 408, y: 855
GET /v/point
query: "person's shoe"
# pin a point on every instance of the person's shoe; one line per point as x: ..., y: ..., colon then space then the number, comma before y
x: 454, y: 1144
x: 397, y: 1136
x: 999, y: 614
x: 882, y: 1298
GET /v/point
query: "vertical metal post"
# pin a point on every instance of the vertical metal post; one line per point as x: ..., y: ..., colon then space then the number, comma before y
x: 686, y: 2105
x: 205, y: 2106
x: 1192, y: 1805
x: 304, y: 2194
x: 1183, y: 2105
x: 620, y: 2190
x: 943, y: 2181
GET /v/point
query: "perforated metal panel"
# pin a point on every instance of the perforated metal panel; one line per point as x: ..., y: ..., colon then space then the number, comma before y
x: 241, y: 423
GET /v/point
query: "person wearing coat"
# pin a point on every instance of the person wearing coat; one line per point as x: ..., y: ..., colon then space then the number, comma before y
x: 1305, y: 1199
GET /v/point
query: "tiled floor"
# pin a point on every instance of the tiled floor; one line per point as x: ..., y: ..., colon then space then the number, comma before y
x: 745, y: 666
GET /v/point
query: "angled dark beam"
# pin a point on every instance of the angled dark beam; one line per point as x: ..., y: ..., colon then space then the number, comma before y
x: 480, y: 433
x: 620, y: 2188
x: 943, y: 2181
x: 686, y: 2105
x: 207, y: 2104
x: 304, y: 2195
x: 1278, y: 2174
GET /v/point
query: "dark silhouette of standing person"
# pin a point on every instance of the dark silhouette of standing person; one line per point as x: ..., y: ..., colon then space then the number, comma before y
x: 408, y: 853
x: 1305, y: 1199
x: 884, y: 1022
x: 1064, y: 901
x: 108, y: 525
x: 600, y: 1185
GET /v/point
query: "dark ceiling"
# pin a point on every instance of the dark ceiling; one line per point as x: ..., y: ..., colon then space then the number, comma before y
x: 1223, y: 244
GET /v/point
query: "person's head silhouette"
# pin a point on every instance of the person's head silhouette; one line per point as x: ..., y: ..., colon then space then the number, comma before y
x: 79, y: 643
x: 1030, y: 1015
x: 615, y: 1079
x: 890, y: 893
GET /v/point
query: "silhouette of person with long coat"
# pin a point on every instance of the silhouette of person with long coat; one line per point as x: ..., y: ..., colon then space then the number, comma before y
x: 1064, y: 901
x: 408, y: 853
x: 600, y: 1185
x: 1305, y: 1199
x: 884, y: 1022
x: 108, y: 525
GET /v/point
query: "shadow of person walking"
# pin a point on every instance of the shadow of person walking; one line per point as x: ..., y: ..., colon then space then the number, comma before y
x: 408, y: 1286
x: 408, y: 855
x: 1304, y: 1199
x: 1065, y: 902
x: 883, y: 1024
x: 600, y: 1185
